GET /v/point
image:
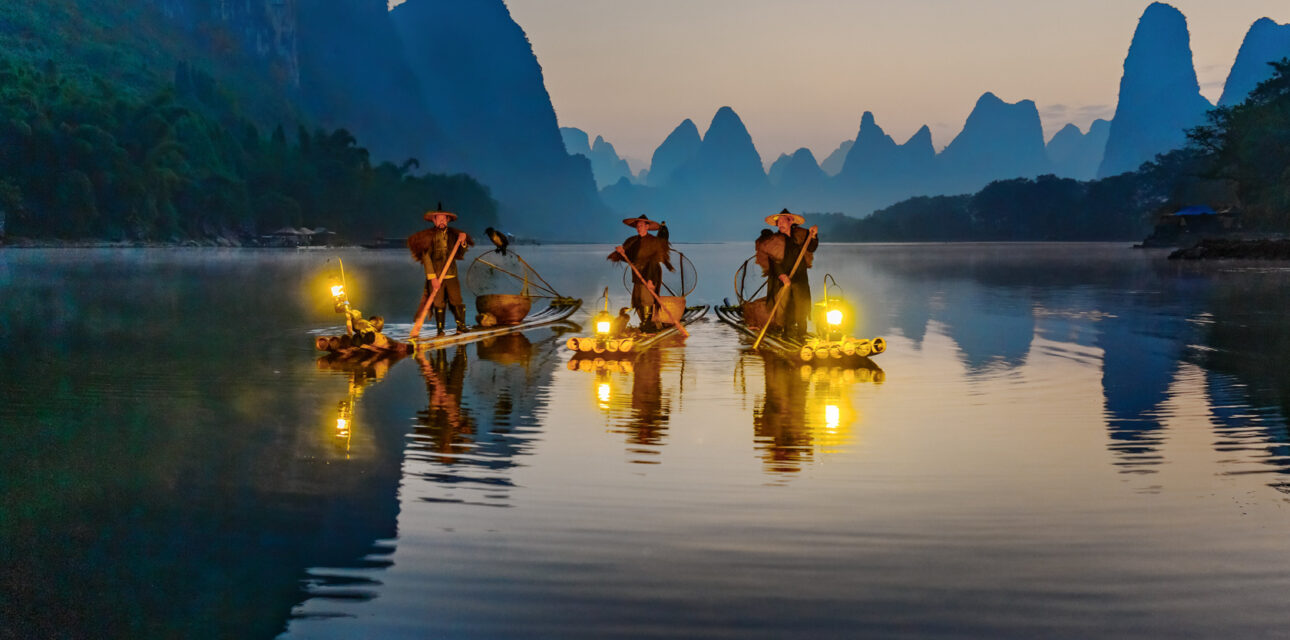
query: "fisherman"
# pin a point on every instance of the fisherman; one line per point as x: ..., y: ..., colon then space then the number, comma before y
x: 777, y: 253
x: 431, y: 247
x: 646, y: 253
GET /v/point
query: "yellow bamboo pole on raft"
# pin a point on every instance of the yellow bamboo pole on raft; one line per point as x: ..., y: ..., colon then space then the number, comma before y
x: 434, y: 289
x: 675, y: 321
x: 783, y: 292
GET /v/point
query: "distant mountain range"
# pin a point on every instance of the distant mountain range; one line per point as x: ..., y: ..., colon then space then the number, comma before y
x: 456, y: 85
x: 1159, y: 101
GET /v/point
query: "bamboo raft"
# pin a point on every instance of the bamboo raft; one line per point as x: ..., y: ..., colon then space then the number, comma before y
x: 845, y: 352
x: 359, y: 345
x: 594, y: 352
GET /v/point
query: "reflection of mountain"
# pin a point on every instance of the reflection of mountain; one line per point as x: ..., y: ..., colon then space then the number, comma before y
x: 993, y: 300
x: 1137, y: 369
x: 191, y: 490
x: 990, y: 327
x: 1248, y: 344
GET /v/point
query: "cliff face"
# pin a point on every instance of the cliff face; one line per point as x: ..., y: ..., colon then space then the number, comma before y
x: 261, y: 29
x: 354, y: 75
x: 482, y: 84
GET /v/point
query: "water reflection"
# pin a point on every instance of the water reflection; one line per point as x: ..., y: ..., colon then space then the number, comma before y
x: 636, y: 398
x: 646, y: 429
x: 361, y: 373
x: 204, y: 469
x: 480, y: 415
x: 804, y: 412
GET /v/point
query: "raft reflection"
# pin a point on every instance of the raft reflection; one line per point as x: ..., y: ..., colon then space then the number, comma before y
x: 361, y: 374
x: 642, y: 416
x: 804, y: 412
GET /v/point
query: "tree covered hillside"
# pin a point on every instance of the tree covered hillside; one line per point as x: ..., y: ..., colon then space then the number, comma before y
x: 1248, y: 145
x: 82, y: 157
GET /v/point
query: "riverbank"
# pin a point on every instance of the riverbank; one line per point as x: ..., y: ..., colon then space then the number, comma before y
x: 1235, y: 249
x: 50, y: 243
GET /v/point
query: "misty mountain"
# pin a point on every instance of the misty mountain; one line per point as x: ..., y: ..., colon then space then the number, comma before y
x: 1159, y: 94
x: 877, y: 171
x: 1075, y: 154
x: 776, y: 171
x: 725, y: 175
x: 484, y: 87
x: 802, y: 185
x: 606, y: 166
x: 576, y: 141
x: 1265, y: 42
x: 677, y: 149
x: 998, y: 140
x: 833, y: 164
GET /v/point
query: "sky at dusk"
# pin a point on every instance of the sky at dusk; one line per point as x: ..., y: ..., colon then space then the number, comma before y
x: 800, y: 73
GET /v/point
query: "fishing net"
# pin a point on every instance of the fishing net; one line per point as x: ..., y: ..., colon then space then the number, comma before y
x: 495, y: 272
x: 675, y: 283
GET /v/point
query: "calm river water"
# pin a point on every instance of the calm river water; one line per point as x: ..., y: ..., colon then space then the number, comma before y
x: 1063, y: 441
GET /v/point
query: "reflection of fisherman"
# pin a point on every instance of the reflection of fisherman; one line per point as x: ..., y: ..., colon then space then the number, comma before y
x: 451, y: 428
x: 646, y: 253
x: 776, y: 254
x: 781, y: 421
x: 649, y: 411
x: 431, y: 247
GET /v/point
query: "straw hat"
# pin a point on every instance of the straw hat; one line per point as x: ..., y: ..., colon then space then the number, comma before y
x: 773, y: 220
x: 631, y: 222
x: 429, y: 215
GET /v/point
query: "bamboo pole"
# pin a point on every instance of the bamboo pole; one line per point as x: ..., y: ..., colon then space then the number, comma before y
x: 675, y: 321
x: 783, y: 292
x: 434, y: 289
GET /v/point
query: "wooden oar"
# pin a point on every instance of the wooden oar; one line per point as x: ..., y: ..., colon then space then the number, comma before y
x: 783, y: 292
x: 675, y: 321
x: 434, y: 289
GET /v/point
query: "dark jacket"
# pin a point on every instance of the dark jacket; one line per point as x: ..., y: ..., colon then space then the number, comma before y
x: 647, y: 253
x: 430, y: 247
x: 782, y: 251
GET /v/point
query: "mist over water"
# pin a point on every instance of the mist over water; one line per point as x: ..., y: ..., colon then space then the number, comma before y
x: 1061, y: 440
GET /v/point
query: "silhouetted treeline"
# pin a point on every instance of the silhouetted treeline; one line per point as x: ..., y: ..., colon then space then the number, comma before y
x: 84, y: 159
x: 1044, y: 208
x: 1249, y: 146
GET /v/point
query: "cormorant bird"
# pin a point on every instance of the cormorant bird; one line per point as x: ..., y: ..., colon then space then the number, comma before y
x: 619, y: 324
x: 500, y: 239
x: 662, y: 230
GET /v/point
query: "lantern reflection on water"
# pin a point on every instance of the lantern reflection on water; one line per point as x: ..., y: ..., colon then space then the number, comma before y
x: 806, y: 412
x: 604, y: 393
